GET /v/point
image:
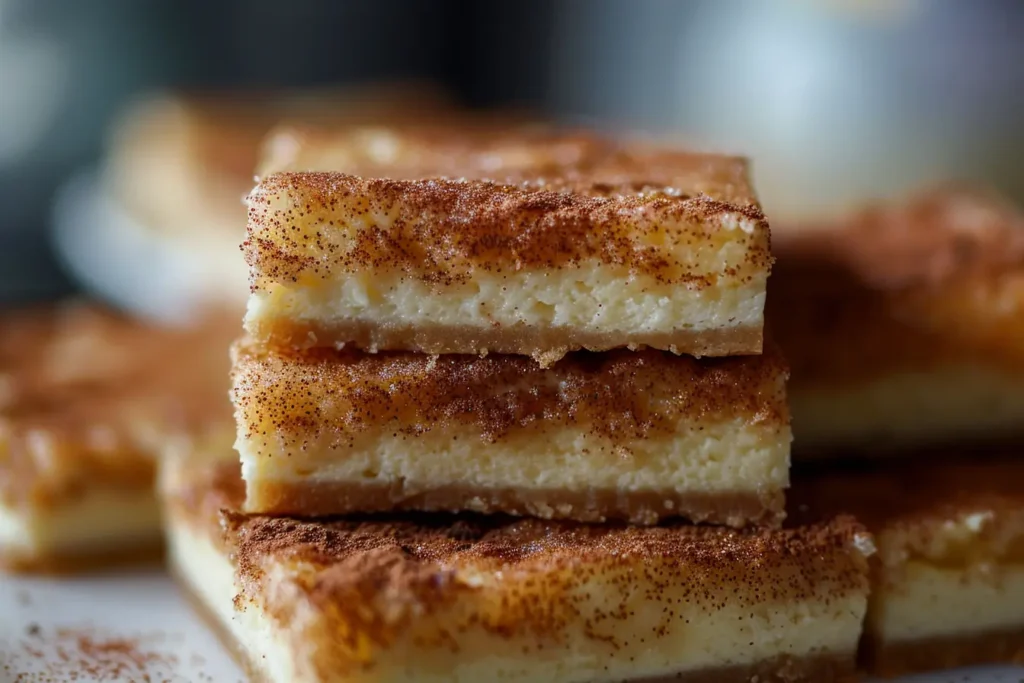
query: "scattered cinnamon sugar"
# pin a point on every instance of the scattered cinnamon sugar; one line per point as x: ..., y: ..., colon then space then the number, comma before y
x: 86, y: 654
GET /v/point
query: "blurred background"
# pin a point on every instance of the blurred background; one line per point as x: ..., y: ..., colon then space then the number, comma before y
x: 837, y: 101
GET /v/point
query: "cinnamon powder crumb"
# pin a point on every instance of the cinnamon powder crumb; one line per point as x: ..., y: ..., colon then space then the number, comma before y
x: 83, y: 654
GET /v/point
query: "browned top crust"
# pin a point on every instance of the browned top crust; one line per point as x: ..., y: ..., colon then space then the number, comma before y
x: 87, y: 398
x: 437, y: 205
x: 903, y: 287
x: 925, y: 508
x: 620, y: 395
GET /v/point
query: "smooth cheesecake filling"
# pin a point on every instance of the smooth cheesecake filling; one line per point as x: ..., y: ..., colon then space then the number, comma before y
x: 727, y: 472
x: 532, y: 313
x: 922, y: 601
x: 96, y: 523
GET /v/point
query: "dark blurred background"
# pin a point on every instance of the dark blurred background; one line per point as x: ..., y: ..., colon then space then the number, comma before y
x: 837, y: 101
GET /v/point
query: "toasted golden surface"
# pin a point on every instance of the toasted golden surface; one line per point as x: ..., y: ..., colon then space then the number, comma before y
x: 87, y: 398
x: 623, y: 396
x: 439, y: 204
x: 903, y: 287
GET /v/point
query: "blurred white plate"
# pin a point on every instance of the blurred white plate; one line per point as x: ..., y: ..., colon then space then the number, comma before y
x: 147, y: 609
x: 140, y: 270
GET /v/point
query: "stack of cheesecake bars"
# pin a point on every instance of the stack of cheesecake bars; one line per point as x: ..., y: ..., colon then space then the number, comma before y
x: 507, y: 410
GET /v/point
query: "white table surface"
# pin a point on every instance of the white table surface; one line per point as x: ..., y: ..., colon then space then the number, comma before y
x: 146, y: 608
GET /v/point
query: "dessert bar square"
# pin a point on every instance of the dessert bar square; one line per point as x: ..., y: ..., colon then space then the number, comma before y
x: 904, y: 324
x: 469, y: 598
x: 88, y: 400
x: 480, y: 239
x: 637, y: 436
x: 948, y: 575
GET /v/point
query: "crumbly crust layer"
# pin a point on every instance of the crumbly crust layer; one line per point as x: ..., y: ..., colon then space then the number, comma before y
x: 316, y: 498
x: 623, y: 396
x: 546, y: 346
x: 892, y: 659
x: 904, y: 287
x: 89, y: 398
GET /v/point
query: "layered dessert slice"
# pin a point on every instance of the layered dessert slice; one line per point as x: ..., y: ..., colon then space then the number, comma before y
x: 474, y: 239
x: 87, y: 402
x: 471, y: 598
x: 638, y: 436
x: 904, y: 324
x: 948, y: 576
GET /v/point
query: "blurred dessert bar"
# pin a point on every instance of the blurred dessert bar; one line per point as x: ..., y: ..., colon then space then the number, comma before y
x: 904, y: 325
x: 470, y: 598
x: 626, y: 435
x: 948, y: 575
x: 466, y: 239
x: 87, y: 401
x: 159, y: 233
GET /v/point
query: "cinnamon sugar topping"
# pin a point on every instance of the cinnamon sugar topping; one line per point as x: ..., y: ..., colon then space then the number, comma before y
x: 620, y: 395
x: 439, y: 207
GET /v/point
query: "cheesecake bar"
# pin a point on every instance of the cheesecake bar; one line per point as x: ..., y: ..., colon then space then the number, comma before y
x: 948, y: 575
x: 638, y: 436
x: 87, y: 402
x: 478, y: 239
x: 470, y: 598
x: 904, y: 324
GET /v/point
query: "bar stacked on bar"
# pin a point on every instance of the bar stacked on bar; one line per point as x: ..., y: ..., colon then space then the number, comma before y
x: 904, y: 325
x: 490, y: 381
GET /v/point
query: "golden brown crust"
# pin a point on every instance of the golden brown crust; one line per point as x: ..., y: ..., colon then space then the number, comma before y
x: 909, y: 507
x: 312, y: 498
x: 622, y: 396
x: 545, y: 345
x: 893, y: 659
x: 503, y: 202
x: 906, y: 287
x: 87, y: 398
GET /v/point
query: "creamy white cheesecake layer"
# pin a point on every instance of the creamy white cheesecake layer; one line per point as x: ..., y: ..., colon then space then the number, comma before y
x: 928, y: 601
x: 730, y: 457
x: 708, y: 634
x: 593, y: 299
x: 940, y: 404
x: 95, y: 523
